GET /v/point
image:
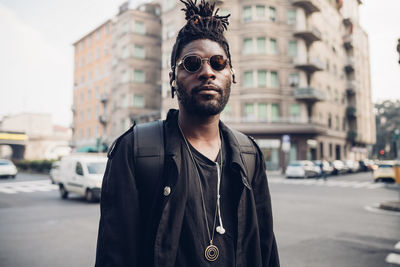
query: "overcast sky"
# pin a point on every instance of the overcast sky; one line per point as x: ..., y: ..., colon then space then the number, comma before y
x: 36, y: 54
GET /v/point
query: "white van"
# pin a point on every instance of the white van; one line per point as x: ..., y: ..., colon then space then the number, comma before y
x: 81, y: 174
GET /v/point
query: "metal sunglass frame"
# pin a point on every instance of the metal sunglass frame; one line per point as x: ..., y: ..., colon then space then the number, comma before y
x: 202, y: 60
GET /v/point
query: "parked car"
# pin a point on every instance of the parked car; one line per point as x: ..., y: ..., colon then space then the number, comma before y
x: 302, y: 169
x: 353, y: 166
x: 54, y: 171
x: 384, y: 172
x: 81, y: 174
x: 7, y: 168
x: 327, y: 168
x: 338, y: 167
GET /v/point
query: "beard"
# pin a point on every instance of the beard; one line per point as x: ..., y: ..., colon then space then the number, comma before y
x: 203, y: 105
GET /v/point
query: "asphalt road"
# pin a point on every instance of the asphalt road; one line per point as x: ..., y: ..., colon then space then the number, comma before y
x: 317, y: 223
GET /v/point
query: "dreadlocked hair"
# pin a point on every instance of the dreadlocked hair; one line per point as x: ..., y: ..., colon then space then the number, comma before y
x: 202, y: 23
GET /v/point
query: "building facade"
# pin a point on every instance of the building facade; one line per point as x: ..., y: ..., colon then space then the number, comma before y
x: 117, y: 76
x: 303, y: 75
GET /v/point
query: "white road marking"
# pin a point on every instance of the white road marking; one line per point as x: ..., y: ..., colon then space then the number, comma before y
x: 27, y: 187
x: 328, y: 183
x: 393, y: 258
x: 397, y: 246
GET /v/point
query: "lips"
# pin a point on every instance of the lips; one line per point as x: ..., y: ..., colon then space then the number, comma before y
x: 207, y: 89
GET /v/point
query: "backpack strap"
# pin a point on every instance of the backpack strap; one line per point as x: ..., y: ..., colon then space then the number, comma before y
x: 248, y: 153
x: 148, y: 149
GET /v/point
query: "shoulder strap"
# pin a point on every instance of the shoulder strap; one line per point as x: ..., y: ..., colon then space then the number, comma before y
x: 248, y: 153
x: 148, y: 151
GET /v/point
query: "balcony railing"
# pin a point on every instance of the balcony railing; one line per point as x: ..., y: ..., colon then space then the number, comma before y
x: 103, y: 119
x: 104, y: 98
x: 348, y: 41
x: 351, y: 112
x: 351, y: 87
x: 351, y: 135
x: 309, y: 94
x: 310, y: 64
x: 349, y: 67
x: 308, y: 34
x: 309, y: 6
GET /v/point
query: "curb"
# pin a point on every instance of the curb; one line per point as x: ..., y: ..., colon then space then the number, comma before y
x: 390, y: 205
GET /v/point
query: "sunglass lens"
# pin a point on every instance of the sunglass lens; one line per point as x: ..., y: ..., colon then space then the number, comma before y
x: 217, y: 62
x: 192, y: 63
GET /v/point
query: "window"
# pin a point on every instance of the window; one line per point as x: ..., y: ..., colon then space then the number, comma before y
x: 272, y: 13
x: 125, y: 52
x: 170, y: 5
x: 97, y: 53
x: 274, y: 112
x: 246, y: 13
x: 295, y: 111
x: 249, y: 111
x: 261, y: 78
x: 105, y: 49
x: 223, y: 12
x: 329, y: 120
x: 292, y: 51
x: 261, y: 45
x: 89, y: 40
x: 125, y: 27
x: 139, y: 27
x: 273, y: 46
x: 90, y: 58
x: 139, y: 76
x: 88, y: 132
x: 98, y: 35
x: 169, y: 31
x: 260, y: 11
x: 78, y: 168
x: 88, y: 114
x: 247, y: 46
x: 227, y: 112
x: 248, y: 79
x: 124, y: 76
x: 337, y: 123
x: 124, y: 101
x: 291, y: 17
x: 294, y: 79
x: 138, y: 101
x: 262, y: 111
x: 139, y: 51
x: 274, y: 79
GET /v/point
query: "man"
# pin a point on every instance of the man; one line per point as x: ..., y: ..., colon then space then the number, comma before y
x: 208, y: 208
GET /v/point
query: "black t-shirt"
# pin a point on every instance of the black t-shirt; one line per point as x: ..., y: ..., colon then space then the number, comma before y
x: 194, y: 236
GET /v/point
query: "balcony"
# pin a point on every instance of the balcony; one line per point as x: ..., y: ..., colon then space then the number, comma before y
x: 281, y: 125
x: 351, y: 87
x: 347, y: 22
x: 348, y: 41
x: 104, y: 98
x: 349, y: 66
x: 308, y: 34
x: 309, y: 6
x: 310, y: 65
x: 351, y: 135
x: 309, y: 94
x: 351, y: 112
x: 103, y: 119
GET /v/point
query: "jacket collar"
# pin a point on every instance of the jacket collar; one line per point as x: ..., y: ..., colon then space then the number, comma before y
x: 174, y: 142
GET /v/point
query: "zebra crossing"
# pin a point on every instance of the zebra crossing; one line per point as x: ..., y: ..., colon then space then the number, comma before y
x: 27, y: 187
x: 328, y: 183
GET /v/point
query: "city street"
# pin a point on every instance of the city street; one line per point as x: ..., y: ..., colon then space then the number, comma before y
x: 317, y: 223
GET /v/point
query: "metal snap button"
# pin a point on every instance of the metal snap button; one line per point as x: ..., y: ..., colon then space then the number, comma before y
x: 167, y: 191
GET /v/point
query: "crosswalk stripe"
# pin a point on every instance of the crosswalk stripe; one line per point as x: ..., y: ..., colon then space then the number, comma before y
x: 27, y: 187
x: 328, y: 183
x: 393, y: 258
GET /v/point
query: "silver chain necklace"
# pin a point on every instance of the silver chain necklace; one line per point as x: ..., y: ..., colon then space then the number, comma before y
x: 211, y: 252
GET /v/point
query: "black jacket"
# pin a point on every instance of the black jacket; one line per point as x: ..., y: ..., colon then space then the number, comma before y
x: 139, y: 229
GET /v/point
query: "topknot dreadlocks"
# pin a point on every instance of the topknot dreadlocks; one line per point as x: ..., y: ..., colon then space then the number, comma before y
x: 202, y: 23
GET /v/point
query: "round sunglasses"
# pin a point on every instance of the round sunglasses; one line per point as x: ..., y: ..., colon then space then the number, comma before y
x: 193, y: 63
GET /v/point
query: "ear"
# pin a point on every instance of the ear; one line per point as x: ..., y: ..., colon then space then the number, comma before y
x: 233, y: 75
x: 172, y: 82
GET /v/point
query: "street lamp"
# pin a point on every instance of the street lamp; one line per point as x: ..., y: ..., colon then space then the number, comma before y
x: 398, y: 48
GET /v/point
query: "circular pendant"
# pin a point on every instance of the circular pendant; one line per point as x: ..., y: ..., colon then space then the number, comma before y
x: 211, y: 253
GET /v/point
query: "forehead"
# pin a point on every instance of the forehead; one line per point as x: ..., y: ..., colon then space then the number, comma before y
x: 203, y: 48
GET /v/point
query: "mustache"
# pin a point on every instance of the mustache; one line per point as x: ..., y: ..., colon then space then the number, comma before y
x: 207, y: 86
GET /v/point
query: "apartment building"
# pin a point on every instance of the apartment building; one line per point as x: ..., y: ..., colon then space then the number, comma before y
x: 303, y: 75
x: 92, y: 82
x: 117, y: 76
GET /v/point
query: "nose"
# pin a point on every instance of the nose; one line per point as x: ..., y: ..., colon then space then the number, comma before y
x: 206, y: 72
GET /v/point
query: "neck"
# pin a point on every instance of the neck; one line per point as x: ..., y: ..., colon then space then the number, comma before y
x: 201, y: 132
